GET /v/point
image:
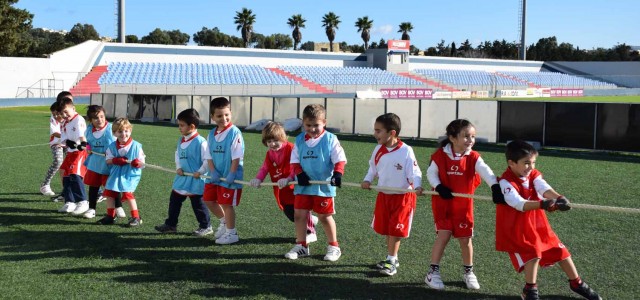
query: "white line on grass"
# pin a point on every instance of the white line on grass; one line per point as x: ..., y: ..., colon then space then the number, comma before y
x: 15, y: 147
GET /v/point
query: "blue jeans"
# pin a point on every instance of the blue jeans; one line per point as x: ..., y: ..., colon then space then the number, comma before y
x: 199, y: 209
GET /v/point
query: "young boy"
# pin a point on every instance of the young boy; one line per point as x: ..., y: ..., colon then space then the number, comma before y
x: 73, y: 165
x: 395, y: 165
x: 57, y: 149
x: 126, y: 160
x: 522, y: 228
x: 192, y: 156
x: 227, y: 153
x: 316, y: 155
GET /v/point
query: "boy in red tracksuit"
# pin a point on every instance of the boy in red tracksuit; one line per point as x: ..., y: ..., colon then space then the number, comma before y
x: 522, y: 228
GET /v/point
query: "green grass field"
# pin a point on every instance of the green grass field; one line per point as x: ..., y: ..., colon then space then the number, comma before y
x: 45, y: 254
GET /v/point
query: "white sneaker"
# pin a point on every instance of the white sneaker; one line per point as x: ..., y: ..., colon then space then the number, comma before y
x: 297, y: 251
x: 46, y: 190
x: 434, y: 281
x: 333, y: 253
x: 228, y: 238
x: 222, y: 228
x: 311, y: 237
x: 120, y: 212
x: 58, y: 198
x: 67, y: 207
x: 90, y: 214
x: 471, y: 280
x: 314, y: 220
x: 81, y: 208
x: 102, y: 198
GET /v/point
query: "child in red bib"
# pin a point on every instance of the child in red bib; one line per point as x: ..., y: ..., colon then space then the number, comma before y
x: 522, y: 228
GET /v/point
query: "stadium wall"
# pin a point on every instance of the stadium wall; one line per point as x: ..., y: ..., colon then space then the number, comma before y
x: 622, y: 73
x: 453, y: 63
x: 21, y: 72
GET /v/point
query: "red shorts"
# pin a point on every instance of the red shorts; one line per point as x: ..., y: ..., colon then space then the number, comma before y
x: 284, y: 196
x: 393, y: 214
x: 319, y: 204
x: 455, y: 215
x: 94, y: 179
x: 547, y: 258
x: 125, y: 195
x: 73, y: 164
x: 221, y: 195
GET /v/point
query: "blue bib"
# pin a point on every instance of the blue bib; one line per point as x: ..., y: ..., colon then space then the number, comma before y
x: 190, y: 161
x: 124, y: 178
x: 94, y: 162
x: 221, y: 156
x: 316, y: 162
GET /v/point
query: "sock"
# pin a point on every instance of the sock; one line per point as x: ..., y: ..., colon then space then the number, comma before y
x: 134, y: 214
x: 392, y: 258
x: 575, y: 283
x: 335, y: 244
x: 435, y: 267
x: 222, y: 221
x: 529, y: 286
x: 304, y: 244
x: 232, y: 231
x: 468, y: 269
x: 111, y: 212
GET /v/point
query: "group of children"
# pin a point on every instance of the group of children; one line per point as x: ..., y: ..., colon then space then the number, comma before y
x: 206, y: 171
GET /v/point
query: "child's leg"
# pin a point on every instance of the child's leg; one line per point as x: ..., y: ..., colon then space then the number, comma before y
x: 300, y: 219
x: 66, y: 189
x: 466, y: 247
x: 175, y: 206
x: 442, y: 239
x: 134, y: 208
x: 118, y: 201
x: 56, y: 153
x: 393, y: 245
x: 229, y: 215
x: 311, y: 227
x: 200, y: 211
x: 289, y: 212
x: 215, y: 209
x: 531, y: 271
x: 76, y: 186
x: 111, y: 209
x: 93, y: 197
x: 569, y: 268
x: 329, y: 226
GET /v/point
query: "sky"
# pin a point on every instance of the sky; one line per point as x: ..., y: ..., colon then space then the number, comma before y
x: 586, y: 24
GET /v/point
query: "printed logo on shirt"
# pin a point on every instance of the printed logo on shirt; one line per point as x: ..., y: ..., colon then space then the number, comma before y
x: 310, y: 155
x: 398, y: 167
x: 218, y: 149
x: 183, y: 154
x: 454, y: 171
x: 277, y: 174
x: 98, y: 144
x: 507, y: 191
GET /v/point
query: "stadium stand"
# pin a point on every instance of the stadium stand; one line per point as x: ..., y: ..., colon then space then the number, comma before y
x: 557, y: 80
x: 350, y: 76
x: 89, y: 83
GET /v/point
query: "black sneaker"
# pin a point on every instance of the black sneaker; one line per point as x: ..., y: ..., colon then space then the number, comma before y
x: 133, y: 222
x: 164, y: 228
x: 585, y: 291
x: 530, y: 294
x: 107, y: 220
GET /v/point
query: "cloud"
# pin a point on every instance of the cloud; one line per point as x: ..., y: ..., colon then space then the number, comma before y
x: 382, y: 30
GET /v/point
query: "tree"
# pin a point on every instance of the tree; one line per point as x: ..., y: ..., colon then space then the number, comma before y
x: 131, y: 39
x: 307, y: 46
x: 14, y: 24
x: 157, y: 36
x: 431, y: 51
x: 405, y: 28
x: 442, y: 49
x: 42, y: 42
x: 213, y: 37
x: 82, y: 32
x: 178, y: 37
x: 330, y: 22
x: 454, y: 49
x: 275, y: 41
x: 245, y: 20
x: 296, y: 22
x: 364, y: 25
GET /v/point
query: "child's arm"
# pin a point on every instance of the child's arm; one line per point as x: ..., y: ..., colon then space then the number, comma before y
x: 556, y: 201
x: 413, y: 172
x: 513, y: 199
x: 138, y: 162
x: 206, y: 156
x: 487, y: 174
x: 339, y: 160
x: 262, y: 173
x: 176, y: 159
x: 433, y: 177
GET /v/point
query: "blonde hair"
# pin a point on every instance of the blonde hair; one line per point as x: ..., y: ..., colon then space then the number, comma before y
x: 314, y: 112
x: 273, y: 131
x: 121, y: 124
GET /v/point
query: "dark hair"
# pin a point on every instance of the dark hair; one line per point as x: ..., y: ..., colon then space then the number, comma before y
x: 190, y: 116
x: 454, y: 128
x: 314, y: 112
x: 64, y: 102
x: 390, y: 121
x: 218, y: 103
x: 54, y: 107
x: 93, y: 110
x: 518, y: 149
x: 63, y: 95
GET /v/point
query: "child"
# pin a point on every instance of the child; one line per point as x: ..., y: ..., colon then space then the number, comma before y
x: 126, y: 160
x: 73, y: 165
x: 57, y: 150
x: 455, y: 168
x: 522, y: 228
x: 192, y: 155
x: 276, y: 164
x: 316, y: 155
x: 395, y: 165
x: 227, y: 152
x: 99, y: 136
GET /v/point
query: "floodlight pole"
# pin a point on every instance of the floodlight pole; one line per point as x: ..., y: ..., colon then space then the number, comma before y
x: 121, y: 31
x: 523, y: 45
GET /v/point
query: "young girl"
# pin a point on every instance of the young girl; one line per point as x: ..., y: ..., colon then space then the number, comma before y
x: 276, y: 163
x: 99, y: 136
x: 455, y: 168
x: 57, y: 149
x: 126, y: 160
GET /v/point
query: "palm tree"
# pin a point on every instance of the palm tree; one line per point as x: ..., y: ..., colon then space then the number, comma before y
x: 330, y: 22
x: 405, y: 28
x: 245, y: 19
x: 296, y: 22
x: 364, y: 25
